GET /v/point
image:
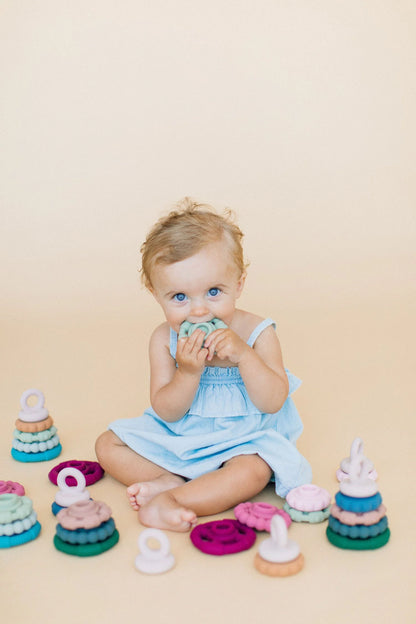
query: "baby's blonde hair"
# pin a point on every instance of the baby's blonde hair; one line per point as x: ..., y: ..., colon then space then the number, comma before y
x: 184, y: 231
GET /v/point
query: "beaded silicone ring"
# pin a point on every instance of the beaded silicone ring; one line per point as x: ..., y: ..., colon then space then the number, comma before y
x: 222, y: 537
x: 371, y: 543
x: 358, y: 505
x: 11, y: 487
x: 7, y: 541
x: 258, y: 515
x: 86, y: 550
x: 358, y: 531
x: 91, y: 470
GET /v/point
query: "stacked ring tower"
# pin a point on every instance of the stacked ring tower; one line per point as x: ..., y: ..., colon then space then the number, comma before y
x: 35, y: 438
x: 358, y: 519
x: 18, y: 520
x: 308, y: 503
x: 85, y: 528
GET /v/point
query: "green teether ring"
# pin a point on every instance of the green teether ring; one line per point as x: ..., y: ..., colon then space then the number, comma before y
x: 40, y: 436
x: 370, y: 543
x: 18, y: 526
x: 86, y: 550
x: 313, y: 517
x: 187, y: 328
x: 14, y: 507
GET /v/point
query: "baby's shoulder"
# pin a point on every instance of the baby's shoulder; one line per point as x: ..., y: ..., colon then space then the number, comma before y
x: 160, y: 335
x: 246, y: 323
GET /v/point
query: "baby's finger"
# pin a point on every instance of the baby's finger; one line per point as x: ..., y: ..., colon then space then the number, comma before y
x: 196, y: 339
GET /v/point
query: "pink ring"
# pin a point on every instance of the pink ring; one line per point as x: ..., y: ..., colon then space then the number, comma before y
x: 11, y: 487
x: 259, y: 515
x: 308, y: 497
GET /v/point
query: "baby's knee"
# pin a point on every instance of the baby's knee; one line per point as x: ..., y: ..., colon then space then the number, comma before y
x: 254, y: 468
x: 104, y: 443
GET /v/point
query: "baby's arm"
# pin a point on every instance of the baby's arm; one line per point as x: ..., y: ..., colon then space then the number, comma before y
x: 261, y: 367
x: 172, y: 389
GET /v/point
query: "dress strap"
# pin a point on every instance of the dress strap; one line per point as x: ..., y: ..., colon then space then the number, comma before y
x: 173, y: 343
x: 257, y: 330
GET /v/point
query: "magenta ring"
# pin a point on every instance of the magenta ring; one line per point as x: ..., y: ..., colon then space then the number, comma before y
x: 91, y: 470
x: 222, y: 537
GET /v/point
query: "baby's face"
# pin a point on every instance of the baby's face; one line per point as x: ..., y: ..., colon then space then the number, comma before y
x: 199, y: 288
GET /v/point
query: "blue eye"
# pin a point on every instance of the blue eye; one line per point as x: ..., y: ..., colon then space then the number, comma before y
x: 213, y: 292
x: 179, y: 297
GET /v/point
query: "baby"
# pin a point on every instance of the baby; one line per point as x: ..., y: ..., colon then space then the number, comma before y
x: 222, y: 422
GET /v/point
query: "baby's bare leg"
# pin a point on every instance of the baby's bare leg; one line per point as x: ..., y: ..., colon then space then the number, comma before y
x: 237, y: 481
x: 144, y: 478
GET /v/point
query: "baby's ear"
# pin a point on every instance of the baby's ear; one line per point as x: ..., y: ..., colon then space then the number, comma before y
x: 240, y: 283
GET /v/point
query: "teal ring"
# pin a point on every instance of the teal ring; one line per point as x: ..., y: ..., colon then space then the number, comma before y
x: 86, y: 550
x: 36, y: 457
x: 7, y: 541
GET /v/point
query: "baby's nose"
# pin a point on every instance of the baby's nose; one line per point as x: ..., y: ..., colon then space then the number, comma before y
x: 199, y: 309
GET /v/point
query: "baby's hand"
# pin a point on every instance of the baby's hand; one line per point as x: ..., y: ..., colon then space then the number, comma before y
x: 190, y: 355
x: 226, y: 344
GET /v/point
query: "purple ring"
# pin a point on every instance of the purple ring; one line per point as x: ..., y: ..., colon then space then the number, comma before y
x: 91, y: 470
x: 222, y: 537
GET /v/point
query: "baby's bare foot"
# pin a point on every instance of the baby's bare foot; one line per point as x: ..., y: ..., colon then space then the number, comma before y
x: 164, y: 512
x: 142, y: 493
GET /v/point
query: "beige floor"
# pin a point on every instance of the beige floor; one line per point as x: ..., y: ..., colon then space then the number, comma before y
x: 358, y: 367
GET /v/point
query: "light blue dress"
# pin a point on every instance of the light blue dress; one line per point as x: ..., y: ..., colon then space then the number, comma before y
x: 221, y: 423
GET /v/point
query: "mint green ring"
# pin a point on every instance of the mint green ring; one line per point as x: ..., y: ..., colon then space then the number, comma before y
x: 14, y: 507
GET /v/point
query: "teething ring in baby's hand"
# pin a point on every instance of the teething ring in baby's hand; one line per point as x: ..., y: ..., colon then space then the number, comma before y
x: 222, y: 537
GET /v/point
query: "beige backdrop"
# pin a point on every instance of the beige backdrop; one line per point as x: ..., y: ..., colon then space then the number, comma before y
x: 299, y: 116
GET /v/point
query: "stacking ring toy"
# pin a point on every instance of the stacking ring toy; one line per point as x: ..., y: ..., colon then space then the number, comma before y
x: 86, y: 550
x: 222, y: 537
x: 11, y: 487
x: 85, y: 514
x: 313, y: 517
x: 14, y: 507
x: 91, y: 470
x: 187, y: 328
x: 67, y: 494
x: 308, y: 497
x: 371, y: 543
x: 358, y: 505
x: 37, y: 457
x: 34, y: 427
x: 351, y: 518
x: 259, y: 515
x: 150, y: 560
x: 278, y: 555
x: 37, y: 412
x: 358, y: 531
x: 6, y: 541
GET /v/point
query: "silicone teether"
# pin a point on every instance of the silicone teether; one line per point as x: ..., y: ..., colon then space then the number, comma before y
x: 356, y: 453
x: 222, y: 537
x: 150, y: 560
x: 259, y: 515
x: 278, y: 555
x: 37, y: 412
x: 11, y: 487
x: 91, y: 470
x: 187, y: 328
x: 358, y: 484
x: 308, y: 498
x: 68, y: 494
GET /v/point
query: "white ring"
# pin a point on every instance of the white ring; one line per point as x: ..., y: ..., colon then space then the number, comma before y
x: 71, y: 472
x: 152, y: 553
x: 36, y: 413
